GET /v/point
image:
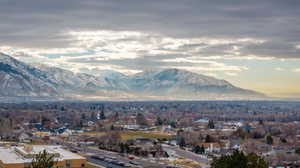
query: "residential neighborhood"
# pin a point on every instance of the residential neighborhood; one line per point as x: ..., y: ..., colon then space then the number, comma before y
x: 135, y: 136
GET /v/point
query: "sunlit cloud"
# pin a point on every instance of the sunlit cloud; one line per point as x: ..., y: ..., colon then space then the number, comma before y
x: 231, y: 74
x: 279, y: 69
x: 211, y: 74
x: 105, y: 49
x: 132, y: 44
x: 205, y: 65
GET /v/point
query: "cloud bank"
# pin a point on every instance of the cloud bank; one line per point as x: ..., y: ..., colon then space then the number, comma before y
x: 136, y: 35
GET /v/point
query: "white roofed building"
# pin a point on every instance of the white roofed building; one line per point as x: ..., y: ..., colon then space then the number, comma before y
x: 22, y: 156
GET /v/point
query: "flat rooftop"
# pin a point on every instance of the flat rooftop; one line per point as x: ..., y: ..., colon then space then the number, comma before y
x: 10, y: 155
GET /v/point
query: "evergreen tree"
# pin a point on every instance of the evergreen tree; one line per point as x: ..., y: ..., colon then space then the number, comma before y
x: 116, y: 116
x: 261, y: 122
x: 211, y: 124
x: 202, y: 150
x: 199, y: 150
x: 283, y: 140
x: 122, y: 148
x: 196, y: 149
x: 141, y: 120
x: 43, y: 160
x: 102, y: 115
x: 93, y: 116
x: 159, y: 122
x: 297, y: 150
x: 208, y: 139
x: 269, y: 140
x: 112, y: 127
x: 126, y: 147
x: 173, y: 124
x: 83, y: 116
x: 239, y: 160
x: 181, y: 142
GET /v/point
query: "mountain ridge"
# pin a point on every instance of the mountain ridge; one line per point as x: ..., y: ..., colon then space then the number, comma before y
x: 30, y: 79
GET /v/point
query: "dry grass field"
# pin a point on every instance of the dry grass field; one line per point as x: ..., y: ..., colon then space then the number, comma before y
x: 133, y: 134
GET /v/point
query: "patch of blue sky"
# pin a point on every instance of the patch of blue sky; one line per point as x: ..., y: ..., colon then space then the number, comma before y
x: 88, y: 52
x: 31, y: 59
x: 106, y: 51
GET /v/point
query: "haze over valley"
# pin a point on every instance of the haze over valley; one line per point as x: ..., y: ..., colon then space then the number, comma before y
x: 39, y: 80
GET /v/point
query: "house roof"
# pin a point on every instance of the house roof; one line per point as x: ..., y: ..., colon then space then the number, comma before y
x: 214, y: 144
x: 18, y: 154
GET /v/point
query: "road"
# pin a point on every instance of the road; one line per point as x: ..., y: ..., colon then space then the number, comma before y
x: 103, y: 163
x: 186, y: 154
x: 146, y: 163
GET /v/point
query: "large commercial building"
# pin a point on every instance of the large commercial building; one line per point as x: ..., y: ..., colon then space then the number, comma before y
x: 21, y: 156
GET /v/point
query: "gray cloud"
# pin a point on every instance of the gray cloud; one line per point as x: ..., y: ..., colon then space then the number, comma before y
x: 40, y: 23
x: 273, y: 49
x: 159, y: 62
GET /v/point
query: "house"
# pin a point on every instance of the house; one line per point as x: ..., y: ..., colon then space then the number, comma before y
x: 41, y: 134
x: 90, y: 124
x: 140, y: 141
x: 251, y: 146
x: 173, y: 141
x: 131, y: 126
x: 66, y: 133
x: 235, y: 144
x: 211, y: 147
x: 24, y: 137
x: 202, y: 121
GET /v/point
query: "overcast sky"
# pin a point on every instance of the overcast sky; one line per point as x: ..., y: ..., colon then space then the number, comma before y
x: 254, y: 44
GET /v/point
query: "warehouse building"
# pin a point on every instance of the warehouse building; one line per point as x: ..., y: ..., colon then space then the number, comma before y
x: 22, y: 156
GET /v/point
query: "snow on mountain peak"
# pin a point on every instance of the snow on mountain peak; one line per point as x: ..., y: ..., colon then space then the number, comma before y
x: 21, y: 79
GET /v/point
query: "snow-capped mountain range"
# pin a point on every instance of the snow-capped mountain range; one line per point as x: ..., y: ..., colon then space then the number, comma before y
x: 37, y: 80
